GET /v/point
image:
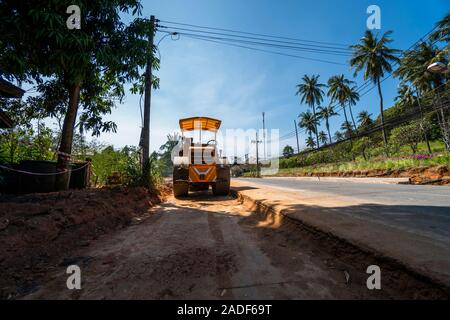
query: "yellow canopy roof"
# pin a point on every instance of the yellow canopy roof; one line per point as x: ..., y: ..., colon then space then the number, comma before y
x: 195, y: 123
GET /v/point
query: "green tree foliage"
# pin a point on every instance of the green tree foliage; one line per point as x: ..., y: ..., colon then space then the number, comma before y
x: 361, y: 145
x: 165, y: 153
x: 311, y: 93
x: 125, y: 162
x: 310, y: 143
x: 22, y: 143
x: 28, y: 139
x: 338, y: 136
x: 409, y: 134
x: 288, y: 151
x: 323, y: 138
x: 339, y: 90
x: 87, y: 66
x: 364, y: 120
x: 326, y: 113
x: 375, y: 57
x: 308, y: 122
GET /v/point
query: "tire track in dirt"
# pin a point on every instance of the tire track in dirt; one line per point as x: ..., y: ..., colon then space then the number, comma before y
x: 223, y: 279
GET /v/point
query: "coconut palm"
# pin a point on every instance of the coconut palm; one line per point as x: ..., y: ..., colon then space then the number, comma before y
x: 443, y: 30
x: 339, y: 91
x: 413, y: 67
x: 308, y: 122
x: 326, y: 113
x: 338, y: 136
x: 364, y: 119
x: 405, y: 97
x: 352, y: 98
x: 413, y: 70
x: 347, y: 127
x: 375, y: 57
x: 311, y: 93
x: 310, y: 143
x: 323, y: 137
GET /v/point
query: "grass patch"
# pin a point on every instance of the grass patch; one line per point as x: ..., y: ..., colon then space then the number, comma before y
x: 373, y: 164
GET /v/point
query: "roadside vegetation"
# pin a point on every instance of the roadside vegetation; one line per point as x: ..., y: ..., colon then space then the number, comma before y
x: 414, y: 132
x: 77, y: 78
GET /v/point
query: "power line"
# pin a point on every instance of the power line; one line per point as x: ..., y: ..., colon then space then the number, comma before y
x: 268, y: 51
x: 321, y: 49
x: 340, y: 49
x: 368, y: 82
x: 255, y: 34
x: 267, y: 44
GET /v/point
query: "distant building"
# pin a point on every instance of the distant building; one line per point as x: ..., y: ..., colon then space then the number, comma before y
x: 8, y: 90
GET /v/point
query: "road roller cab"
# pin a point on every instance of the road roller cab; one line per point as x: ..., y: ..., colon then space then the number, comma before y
x: 196, y: 162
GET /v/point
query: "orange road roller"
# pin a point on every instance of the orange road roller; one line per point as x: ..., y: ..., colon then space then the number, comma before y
x: 197, y: 165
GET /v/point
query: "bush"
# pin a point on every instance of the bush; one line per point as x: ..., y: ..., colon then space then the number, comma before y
x: 410, y: 134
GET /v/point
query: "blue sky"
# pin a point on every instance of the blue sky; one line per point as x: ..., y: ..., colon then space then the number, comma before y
x: 237, y: 85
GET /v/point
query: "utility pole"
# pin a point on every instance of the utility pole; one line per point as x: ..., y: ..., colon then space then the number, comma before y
x: 296, y: 134
x: 264, y: 136
x: 147, y: 103
x: 257, y: 155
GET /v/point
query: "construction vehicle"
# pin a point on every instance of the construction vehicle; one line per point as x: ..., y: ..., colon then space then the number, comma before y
x: 196, y: 166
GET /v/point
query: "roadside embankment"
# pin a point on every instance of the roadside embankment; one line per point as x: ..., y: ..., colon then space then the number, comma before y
x: 439, y: 175
x: 408, y: 259
x: 38, y: 231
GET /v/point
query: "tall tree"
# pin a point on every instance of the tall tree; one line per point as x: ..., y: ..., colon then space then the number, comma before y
x: 310, y: 143
x: 308, y: 122
x: 323, y: 137
x: 352, y: 99
x: 347, y: 127
x: 364, y: 120
x: 413, y: 73
x: 326, y: 113
x: 405, y: 97
x: 311, y: 93
x: 443, y: 33
x: 338, y: 136
x: 375, y: 57
x: 92, y: 63
x: 288, y: 151
x: 339, y: 91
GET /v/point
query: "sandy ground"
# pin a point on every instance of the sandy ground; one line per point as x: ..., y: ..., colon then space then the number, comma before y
x: 206, y: 247
x: 39, y: 232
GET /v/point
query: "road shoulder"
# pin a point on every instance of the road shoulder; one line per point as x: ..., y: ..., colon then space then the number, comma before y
x: 417, y: 253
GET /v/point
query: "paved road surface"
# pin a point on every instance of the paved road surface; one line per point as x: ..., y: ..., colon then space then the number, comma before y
x: 419, y: 209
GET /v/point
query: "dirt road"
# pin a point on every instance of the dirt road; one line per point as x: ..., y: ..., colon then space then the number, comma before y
x: 207, y: 247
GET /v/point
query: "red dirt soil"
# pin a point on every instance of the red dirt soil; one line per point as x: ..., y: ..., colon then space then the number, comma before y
x: 38, y: 231
x: 423, y: 175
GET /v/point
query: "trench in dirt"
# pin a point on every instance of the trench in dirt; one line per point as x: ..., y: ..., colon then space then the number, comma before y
x: 206, y: 247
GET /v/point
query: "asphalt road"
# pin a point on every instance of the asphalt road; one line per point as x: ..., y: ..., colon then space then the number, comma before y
x: 419, y: 209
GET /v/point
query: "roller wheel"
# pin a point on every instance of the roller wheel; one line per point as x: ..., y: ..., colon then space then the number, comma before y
x: 180, y: 189
x: 221, y: 188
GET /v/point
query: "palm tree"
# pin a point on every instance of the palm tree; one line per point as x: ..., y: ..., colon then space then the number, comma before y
x: 405, y: 98
x: 323, y: 137
x: 375, y: 57
x: 338, y: 91
x: 352, y: 98
x: 308, y: 122
x: 338, y: 136
x: 364, y: 120
x: 311, y: 93
x: 413, y: 67
x: 443, y: 30
x: 310, y: 143
x: 326, y: 113
x: 413, y: 70
x: 347, y: 127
